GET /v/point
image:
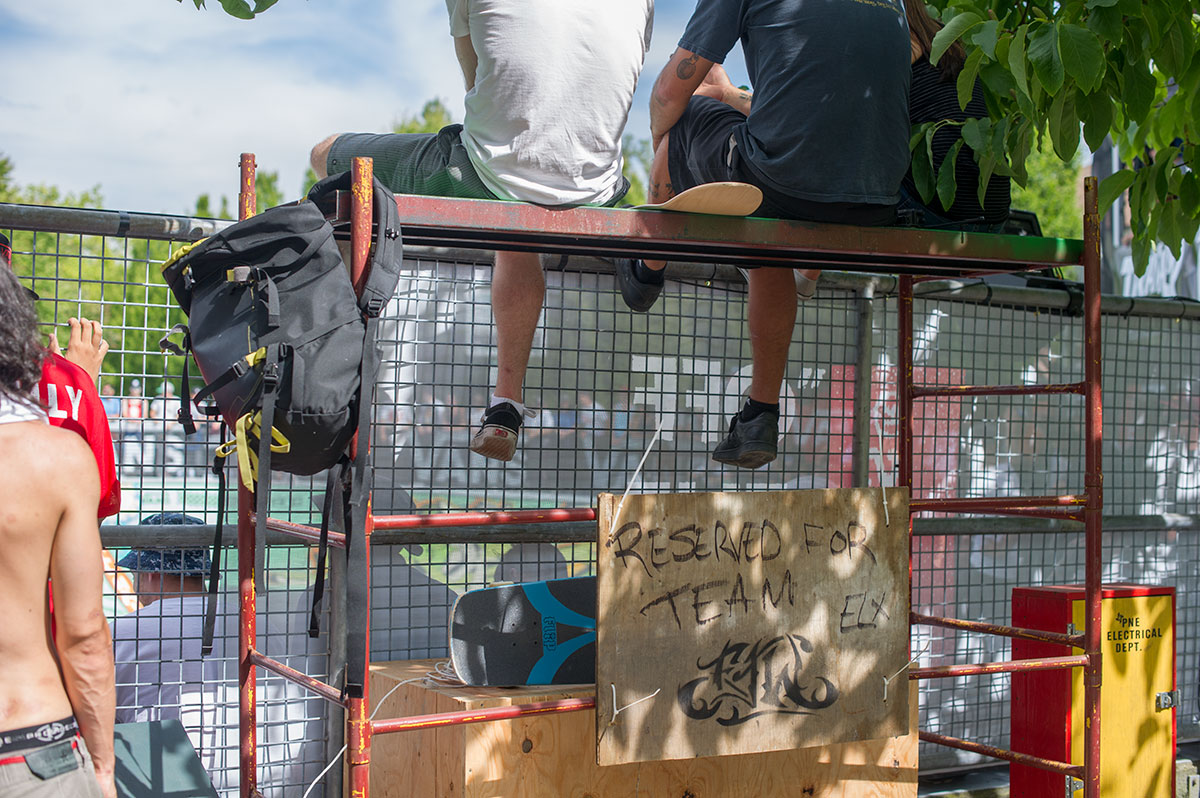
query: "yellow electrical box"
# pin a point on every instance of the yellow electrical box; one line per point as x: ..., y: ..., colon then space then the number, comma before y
x: 1137, y: 695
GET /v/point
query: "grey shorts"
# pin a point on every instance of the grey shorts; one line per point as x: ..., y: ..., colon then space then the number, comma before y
x: 435, y: 164
x: 58, y: 769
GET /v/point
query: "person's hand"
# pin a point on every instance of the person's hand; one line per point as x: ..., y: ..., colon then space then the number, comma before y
x: 86, y: 346
x: 716, y: 84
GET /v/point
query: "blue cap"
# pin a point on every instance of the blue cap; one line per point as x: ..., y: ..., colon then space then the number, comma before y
x: 185, y: 562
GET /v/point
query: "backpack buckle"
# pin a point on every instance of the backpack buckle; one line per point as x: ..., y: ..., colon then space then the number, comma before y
x: 271, y: 376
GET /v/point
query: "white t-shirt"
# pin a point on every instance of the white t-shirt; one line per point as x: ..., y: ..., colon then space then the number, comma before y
x: 552, y: 93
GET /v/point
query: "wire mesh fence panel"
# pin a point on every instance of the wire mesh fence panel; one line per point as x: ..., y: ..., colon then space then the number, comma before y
x: 613, y: 390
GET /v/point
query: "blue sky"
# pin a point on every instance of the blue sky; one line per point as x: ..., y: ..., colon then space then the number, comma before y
x: 154, y: 100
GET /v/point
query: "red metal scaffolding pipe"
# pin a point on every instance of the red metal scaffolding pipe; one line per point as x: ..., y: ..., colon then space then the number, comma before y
x: 1064, y: 768
x: 484, y: 519
x: 319, y: 687
x: 481, y: 715
x: 1058, y: 638
x: 1011, y: 666
x: 1093, y: 486
x: 358, y: 723
x: 994, y: 504
x: 247, y: 601
x: 921, y: 391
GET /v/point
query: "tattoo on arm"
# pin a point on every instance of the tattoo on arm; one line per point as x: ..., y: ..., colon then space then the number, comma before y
x: 687, y: 67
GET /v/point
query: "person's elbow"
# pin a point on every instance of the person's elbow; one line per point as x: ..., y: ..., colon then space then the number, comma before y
x: 85, y: 641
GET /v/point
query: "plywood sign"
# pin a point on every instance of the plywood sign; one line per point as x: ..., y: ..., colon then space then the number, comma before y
x: 757, y: 621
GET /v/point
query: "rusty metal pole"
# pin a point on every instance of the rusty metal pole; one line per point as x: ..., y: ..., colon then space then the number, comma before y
x: 358, y: 721
x: 904, y: 389
x: 247, y: 601
x: 1093, y: 486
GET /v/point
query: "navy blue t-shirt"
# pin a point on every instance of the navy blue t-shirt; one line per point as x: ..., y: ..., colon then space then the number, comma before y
x: 829, y: 118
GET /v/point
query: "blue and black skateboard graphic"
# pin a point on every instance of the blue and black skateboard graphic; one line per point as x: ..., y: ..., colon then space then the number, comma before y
x: 529, y: 633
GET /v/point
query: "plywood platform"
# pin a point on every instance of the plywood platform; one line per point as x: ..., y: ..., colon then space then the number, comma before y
x: 555, y: 756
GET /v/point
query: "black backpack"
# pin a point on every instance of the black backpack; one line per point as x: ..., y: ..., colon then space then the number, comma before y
x: 284, y: 347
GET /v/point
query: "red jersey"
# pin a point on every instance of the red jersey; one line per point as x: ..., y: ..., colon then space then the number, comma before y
x: 72, y: 403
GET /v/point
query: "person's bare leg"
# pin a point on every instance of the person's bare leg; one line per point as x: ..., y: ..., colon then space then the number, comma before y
x: 771, y: 312
x: 518, y: 289
x: 661, y: 189
x: 319, y: 157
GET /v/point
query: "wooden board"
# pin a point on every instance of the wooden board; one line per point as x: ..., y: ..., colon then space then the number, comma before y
x: 551, y: 755
x: 758, y: 621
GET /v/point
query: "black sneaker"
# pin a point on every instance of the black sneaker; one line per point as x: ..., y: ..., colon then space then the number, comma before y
x: 749, y: 444
x: 638, y: 295
x: 498, y: 434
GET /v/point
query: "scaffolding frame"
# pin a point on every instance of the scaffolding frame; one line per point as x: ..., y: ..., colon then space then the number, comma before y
x: 915, y: 255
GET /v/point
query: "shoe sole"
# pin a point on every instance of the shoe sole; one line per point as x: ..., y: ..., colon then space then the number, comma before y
x: 495, y: 442
x: 746, y: 458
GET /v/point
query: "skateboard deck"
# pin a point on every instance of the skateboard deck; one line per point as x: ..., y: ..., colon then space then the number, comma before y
x: 724, y: 199
x: 528, y: 633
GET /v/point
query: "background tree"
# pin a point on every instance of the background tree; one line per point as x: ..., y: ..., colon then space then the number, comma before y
x: 1051, y: 68
x: 1053, y: 193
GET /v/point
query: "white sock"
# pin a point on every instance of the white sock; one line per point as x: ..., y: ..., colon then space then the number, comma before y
x: 805, y: 286
x: 496, y: 400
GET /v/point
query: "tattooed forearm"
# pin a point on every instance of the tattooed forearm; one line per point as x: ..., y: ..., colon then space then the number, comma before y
x: 687, y: 67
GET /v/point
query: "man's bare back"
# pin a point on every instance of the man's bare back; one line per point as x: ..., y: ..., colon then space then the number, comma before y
x: 48, y: 530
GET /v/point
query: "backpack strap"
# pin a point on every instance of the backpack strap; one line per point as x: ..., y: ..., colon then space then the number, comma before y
x: 358, y: 604
x: 165, y: 344
x: 214, y: 573
x: 335, y: 486
x: 262, y: 492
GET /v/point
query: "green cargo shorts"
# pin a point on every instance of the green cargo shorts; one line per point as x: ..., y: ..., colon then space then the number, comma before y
x: 433, y: 164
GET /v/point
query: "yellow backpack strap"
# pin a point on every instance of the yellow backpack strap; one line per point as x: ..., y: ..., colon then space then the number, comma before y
x: 251, y: 424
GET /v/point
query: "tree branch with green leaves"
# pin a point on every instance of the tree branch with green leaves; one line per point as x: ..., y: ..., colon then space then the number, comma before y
x: 1051, y: 70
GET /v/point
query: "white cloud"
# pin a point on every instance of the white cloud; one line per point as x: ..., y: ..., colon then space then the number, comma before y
x: 154, y: 101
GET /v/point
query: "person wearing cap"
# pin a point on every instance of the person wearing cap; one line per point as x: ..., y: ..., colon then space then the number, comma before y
x: 157, y: 647
x: 67, y: 390
x: 56, y: 676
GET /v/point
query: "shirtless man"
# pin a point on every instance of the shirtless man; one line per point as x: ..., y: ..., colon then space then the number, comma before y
x: 56, y: 689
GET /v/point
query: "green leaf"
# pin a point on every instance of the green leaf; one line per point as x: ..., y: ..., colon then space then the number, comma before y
x: 262, y: 5
x: 238, y: 8
x: 1018, y: 144
x: 1082, y: 55
x: 997, y: 78
x: 1064, y: 126
x: 1046, y: 60
x: 1113, y: 186
x: 1140, y: 247
x: 948, y: 35
x: 1101, y: 3
x: 966, y: 78
x: 985, y: 37
x: 1096, y: 112
x: 976, y: 133
x: 1173, y: 55
x: 1168, y: 227
x: 947, y: 182
x: 1137, y: 89
x: 1105, y: 22
x: 1189, y: 194
x: 1016, y: 60
x: 922, y: 169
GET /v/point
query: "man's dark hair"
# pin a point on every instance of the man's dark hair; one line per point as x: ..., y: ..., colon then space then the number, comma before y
x: 923, y: 28
x: 21, y: 352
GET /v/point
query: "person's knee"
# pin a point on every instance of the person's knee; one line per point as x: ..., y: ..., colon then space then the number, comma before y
x: 319, y: 157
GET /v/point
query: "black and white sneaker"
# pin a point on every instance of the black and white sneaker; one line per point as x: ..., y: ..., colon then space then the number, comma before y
x: 750, y: 444
x: 498, y: 432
